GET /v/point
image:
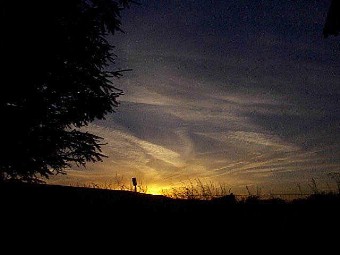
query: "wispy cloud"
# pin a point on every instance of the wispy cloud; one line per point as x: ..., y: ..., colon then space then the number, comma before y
x: 231, y: 101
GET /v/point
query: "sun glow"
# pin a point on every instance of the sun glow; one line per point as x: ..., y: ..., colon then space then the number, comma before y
x: 155, y: 190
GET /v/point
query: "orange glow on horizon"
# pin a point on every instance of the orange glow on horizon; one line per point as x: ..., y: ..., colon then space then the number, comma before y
x: 155, y: 190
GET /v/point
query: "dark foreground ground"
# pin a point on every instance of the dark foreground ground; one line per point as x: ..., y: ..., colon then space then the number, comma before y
x: 73, y: 211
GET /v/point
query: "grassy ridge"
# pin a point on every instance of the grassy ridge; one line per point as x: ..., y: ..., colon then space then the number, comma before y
x: 124, y: 211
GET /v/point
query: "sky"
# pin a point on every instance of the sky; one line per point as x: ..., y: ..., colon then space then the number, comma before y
x: 240, y: 93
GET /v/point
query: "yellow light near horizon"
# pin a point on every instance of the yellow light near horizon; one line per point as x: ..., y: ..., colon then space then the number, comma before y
x: 154, y: 190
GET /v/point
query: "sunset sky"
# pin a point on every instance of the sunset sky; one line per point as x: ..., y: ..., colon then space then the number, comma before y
x: 244, y: 93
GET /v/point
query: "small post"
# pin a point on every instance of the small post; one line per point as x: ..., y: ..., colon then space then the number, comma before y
x: 134, y: 183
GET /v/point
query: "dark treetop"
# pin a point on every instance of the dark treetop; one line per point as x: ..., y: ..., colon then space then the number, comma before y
x: 332, y: 24
x: 54, y: 80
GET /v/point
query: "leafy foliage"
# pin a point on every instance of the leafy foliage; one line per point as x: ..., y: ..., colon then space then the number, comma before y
x: 55, y: 79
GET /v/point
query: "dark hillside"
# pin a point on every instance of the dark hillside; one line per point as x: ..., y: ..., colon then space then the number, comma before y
x: 123, y: 211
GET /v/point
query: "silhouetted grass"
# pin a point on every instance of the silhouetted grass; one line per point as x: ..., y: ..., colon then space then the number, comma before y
x: 197, y: 189
x: 335, y: 176
x: 119, y: 182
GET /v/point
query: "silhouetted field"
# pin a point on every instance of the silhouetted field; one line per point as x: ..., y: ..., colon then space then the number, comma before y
x: 125, y: 212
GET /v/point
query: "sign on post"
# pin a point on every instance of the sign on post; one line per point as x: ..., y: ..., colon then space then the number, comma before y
x: 134, y: 183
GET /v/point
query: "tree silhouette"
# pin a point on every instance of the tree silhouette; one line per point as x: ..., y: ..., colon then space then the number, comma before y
x: 55, y: 79
x: 332, y: 24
